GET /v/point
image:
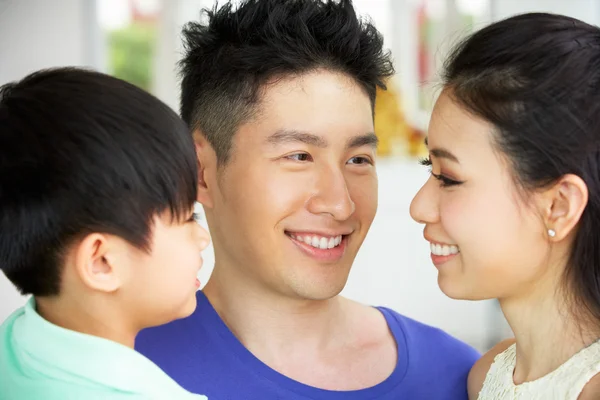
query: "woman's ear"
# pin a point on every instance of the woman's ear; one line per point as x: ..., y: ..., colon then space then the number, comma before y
x: 564, y: 204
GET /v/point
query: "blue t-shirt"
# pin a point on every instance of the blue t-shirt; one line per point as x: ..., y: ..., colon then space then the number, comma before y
x: 204, y: 356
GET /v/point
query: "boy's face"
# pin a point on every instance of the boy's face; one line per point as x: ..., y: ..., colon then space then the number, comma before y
x: 293, y: 204
x: 164, y: 281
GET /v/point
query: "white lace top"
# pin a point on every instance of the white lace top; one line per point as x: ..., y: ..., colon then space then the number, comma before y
x: 564, y: 383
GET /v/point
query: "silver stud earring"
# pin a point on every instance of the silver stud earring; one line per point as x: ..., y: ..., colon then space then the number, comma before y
x: 551, y: 232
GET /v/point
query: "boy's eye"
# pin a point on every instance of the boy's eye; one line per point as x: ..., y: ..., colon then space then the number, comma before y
x: 196, y: 214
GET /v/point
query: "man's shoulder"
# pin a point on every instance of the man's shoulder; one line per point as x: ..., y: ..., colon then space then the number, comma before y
x: 432, y: 340
x: 176, y: 332
x: 174, y: 338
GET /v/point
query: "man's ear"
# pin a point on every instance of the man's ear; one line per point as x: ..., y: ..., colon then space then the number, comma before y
x: 207, y: 164
x: 99, y: 263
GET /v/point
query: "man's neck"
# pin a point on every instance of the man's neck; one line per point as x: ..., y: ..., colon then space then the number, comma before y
x: 546, y: 333
x: 273, y: 324
x: 333, y: 344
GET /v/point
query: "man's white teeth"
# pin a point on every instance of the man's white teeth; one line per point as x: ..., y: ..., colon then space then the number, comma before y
x: 320, y: 242
x: 443, y: 250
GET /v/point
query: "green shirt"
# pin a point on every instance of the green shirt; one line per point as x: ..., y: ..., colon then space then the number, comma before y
x: 39, y: 360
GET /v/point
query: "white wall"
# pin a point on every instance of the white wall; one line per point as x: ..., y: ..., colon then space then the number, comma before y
x: 169, y: 47
x: 38, y: 34
x: 585, y: 10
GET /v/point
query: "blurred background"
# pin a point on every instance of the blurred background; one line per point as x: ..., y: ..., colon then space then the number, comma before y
x: 138, y: 40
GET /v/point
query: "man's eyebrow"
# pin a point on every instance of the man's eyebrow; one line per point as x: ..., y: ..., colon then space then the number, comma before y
x: 441, y: 153
x: 368, y: 139
x: 286, y: 136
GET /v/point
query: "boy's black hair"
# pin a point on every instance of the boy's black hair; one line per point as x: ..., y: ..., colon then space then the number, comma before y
x: 84, y: 152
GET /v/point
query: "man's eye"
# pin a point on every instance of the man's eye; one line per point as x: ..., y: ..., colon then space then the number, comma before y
x: 359, y: 160
x: 299, y: 157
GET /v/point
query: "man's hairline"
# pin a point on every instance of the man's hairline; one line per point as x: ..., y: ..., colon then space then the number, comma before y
x: 254, y: 109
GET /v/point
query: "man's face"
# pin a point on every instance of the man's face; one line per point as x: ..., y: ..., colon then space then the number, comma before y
x: 293, y: 204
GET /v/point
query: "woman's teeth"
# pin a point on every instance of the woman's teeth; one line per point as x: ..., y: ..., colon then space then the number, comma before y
x: 443, y: 249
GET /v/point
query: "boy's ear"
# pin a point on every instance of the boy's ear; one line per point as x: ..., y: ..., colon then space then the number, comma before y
x: 99, y: 262
x: 207, y: 164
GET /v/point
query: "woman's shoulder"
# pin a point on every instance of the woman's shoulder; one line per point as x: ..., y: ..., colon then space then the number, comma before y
x: 482, y: 366
x: 591, y: 391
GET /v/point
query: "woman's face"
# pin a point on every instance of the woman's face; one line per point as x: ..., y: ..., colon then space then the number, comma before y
x: 487, y: 241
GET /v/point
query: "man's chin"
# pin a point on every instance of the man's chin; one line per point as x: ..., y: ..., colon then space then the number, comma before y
x: 319, y: 288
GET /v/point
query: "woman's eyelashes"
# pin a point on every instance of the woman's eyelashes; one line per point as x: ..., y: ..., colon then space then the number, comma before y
x: 444, y: 180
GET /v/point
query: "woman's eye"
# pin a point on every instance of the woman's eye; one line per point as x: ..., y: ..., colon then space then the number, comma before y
x: 445, y: 181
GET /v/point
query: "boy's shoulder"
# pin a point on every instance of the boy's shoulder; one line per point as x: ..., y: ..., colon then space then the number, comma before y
x: 28, y: 373
x: 8, y: 361
x: 56, y: 390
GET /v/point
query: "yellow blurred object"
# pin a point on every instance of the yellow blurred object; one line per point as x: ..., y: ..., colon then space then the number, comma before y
x: 394, y: 133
